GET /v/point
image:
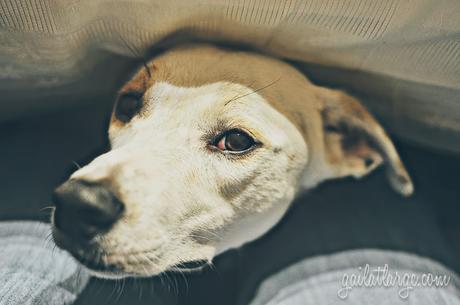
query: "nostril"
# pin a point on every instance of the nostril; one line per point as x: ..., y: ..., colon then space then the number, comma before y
x: 85, y: 209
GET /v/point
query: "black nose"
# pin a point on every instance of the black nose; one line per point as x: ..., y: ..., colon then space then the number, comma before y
x: 85, y: 209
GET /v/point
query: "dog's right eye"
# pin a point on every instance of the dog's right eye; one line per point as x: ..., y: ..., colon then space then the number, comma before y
x: 128, y: 105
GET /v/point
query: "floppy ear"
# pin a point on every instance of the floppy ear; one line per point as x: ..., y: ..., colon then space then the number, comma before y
x: 355, y: 143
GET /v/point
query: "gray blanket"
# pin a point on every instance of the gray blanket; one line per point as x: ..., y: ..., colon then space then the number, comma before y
x: 362, y: 277
x: 33, y: 270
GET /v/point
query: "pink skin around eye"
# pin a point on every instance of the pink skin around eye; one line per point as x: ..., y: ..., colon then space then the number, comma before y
x: 221, y: 144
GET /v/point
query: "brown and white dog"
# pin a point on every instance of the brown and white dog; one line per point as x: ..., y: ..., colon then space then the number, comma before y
x: 208, y: 149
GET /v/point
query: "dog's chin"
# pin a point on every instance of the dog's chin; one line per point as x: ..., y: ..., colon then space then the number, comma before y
x: 194, y: 266
x: 88, y: 254
x: 109, y: 275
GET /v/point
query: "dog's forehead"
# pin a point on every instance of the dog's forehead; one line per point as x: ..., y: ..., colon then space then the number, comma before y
x: 212, y: 107
x: 282, y: 86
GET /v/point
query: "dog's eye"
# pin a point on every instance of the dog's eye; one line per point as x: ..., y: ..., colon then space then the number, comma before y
x: 234, y: 140
x: 128, y: 105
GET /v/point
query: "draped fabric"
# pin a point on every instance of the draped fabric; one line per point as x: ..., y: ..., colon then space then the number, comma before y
x: 402, y: 57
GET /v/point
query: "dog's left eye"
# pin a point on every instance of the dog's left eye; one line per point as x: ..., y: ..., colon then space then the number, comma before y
x: 128, y: 105
x: 234, y: 140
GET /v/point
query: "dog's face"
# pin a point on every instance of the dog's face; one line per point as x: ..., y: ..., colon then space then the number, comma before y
x: 208, y: 149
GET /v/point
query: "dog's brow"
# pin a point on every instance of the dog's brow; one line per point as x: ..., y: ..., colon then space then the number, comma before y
x: 252, y: 92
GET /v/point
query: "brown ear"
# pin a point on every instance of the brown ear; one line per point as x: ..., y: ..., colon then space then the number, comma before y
x: 355, y: 143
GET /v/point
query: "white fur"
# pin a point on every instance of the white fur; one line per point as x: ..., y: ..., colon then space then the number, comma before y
x: 171, y: 182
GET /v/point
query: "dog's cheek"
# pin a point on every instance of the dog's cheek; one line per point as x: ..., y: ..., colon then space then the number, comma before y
x: 255, y: 186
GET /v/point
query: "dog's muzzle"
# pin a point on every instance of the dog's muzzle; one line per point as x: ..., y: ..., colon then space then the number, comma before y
x: 84, y: 209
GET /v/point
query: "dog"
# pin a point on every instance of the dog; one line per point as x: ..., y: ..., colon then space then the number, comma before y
x: 209, y: 147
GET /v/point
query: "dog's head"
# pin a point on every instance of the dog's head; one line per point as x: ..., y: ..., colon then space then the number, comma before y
x: 208, y: 149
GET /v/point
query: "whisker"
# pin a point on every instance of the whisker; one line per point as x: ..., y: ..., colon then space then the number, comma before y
x: 184, y: 276
x: 120, y: 291
x: 136, y: 54
x: 49, y: 240
x: 113, y: 290
x: 51, y: 207
x: 168, y: 280
x: 76, y: 164
x: 254, y: 91
x: 140, y: 290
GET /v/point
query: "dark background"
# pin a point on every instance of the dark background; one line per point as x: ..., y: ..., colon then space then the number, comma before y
x: 37, y: 153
